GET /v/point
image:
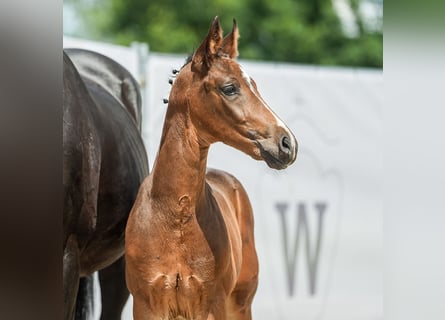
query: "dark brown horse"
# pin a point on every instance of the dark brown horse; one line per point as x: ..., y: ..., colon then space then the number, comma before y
x: 104, y: 163
x: 190, y: 251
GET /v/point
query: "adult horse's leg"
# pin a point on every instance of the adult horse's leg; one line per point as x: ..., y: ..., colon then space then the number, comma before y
x: 85, y: 298
x: 114, y: 290
x: 71, y: 271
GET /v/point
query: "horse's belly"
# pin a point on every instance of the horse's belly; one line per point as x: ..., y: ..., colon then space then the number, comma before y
x: 100, y: 254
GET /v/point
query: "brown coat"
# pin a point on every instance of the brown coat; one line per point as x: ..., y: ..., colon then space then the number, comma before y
x: 190, y: 249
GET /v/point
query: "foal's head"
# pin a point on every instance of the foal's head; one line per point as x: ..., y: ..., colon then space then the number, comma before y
x: 224, y: 104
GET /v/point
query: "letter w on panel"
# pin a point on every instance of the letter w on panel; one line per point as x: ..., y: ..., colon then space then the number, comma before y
x: 291, y: 249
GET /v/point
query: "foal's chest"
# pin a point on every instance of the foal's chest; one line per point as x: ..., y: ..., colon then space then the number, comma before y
x: 184, y: 270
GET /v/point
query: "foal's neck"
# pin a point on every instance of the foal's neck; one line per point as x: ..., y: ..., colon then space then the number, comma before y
x: 180, y: 167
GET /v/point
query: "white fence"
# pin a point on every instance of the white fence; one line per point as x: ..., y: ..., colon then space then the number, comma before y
x: 319, y: 222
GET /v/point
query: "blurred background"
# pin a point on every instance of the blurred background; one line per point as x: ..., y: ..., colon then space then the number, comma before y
x: 319, y: 66
x: 322, y: 32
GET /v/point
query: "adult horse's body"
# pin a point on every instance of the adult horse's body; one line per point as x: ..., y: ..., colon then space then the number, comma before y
x: 190, y: 250
x: 104, y: 163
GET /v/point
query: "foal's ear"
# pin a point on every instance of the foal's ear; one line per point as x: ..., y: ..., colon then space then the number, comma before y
x: 230, y: 43
x: 207, y: 51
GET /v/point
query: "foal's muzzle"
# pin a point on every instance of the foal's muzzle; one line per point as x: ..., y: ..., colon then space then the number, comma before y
x: 279, y: 153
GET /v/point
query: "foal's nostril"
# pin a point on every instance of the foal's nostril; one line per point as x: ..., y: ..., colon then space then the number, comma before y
x: 285, y: 144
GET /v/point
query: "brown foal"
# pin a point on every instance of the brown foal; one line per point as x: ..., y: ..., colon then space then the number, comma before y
x: 190, y: 251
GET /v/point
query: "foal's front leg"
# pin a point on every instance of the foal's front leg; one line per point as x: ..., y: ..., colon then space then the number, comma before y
x: 141, y: 310
x: 218, y: 311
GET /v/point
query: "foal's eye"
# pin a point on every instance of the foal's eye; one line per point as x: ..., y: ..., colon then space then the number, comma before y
x: 229, y: 90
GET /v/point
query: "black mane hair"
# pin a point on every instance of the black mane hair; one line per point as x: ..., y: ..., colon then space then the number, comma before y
x: 188, y: 60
